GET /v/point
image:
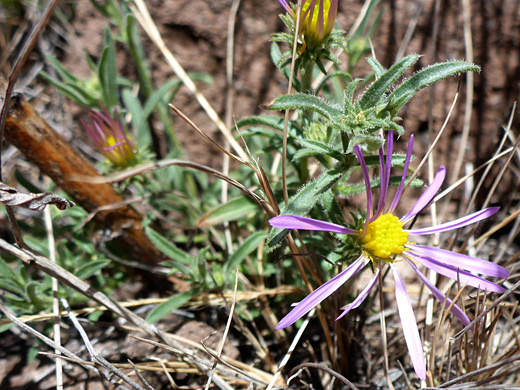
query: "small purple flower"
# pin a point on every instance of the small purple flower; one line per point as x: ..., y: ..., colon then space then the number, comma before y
x: 110, y: 138
x: 383, y: 240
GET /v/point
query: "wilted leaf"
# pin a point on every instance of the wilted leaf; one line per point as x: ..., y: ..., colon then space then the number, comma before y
x: 11, y: 197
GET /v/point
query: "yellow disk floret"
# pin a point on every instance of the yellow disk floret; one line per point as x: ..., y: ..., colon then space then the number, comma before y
x: 384, y: 237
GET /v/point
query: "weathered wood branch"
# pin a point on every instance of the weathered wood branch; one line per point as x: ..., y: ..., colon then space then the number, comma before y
x: 56, y: 158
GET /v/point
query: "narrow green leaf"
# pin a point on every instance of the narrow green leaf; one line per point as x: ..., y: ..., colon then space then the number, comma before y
x: 231, y: 211
x: 91, y: 268
x: 169, y: 248
x: 378, y: 88
x: 272, y: 121
x: 171, y: 304
x: 424, y: 78
x: 107, y: 71
x: 376, y: 66
x: 248, y: 246
x: 301, y: 203
x: 5, y: 327
x: 66, y: 90
x: 322, y: 148
x: 155, y: 98
x: 65, y: 75
x: 343, y: 75
x: 11, y: 286
x: 133, y: 105
x: 303, y: 102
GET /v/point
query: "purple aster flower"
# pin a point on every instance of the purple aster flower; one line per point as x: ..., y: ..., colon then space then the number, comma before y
x: 110, y: 138
x: 384, y: 240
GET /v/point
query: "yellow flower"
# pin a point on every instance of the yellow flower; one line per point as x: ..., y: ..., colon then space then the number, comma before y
x: 316, y: 20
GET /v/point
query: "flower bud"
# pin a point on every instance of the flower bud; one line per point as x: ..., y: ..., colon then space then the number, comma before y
x: 316, y: 20
x: 110, y: 138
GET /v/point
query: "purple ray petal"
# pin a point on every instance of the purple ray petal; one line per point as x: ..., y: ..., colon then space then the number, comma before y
x: 459, y: 260
x: 457, y: 311
x: 303, y: 223
x: 366, y: 177
x: 399, y: 191
x: 456, y: 273
x: 458, y: 223
x: 410, y: 330
x: 361, y: 297
x: 322, y: 292
x: 385, y: 172
x: 427, y: 195
x: 286, y: 6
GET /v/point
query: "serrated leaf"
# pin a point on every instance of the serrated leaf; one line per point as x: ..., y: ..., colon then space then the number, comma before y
x: 248, y: 246
x: 91, y: 268
x: 171, y: 304
x: 425, y: 77
x: 301, y: 203
x: 378, y: 88
x: 231, y: 211
x: 303, y: 102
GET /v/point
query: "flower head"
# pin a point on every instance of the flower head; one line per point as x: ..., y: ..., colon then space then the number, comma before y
x: 316, y: 19
x: 384, y: 240
x: 110, y: 138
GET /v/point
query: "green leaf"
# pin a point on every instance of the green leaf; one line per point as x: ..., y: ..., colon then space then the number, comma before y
x: 376, y: 66
x: 378, y: 88
x: 133, y: 105
x: 12, y: 287
x: 155, y: 98
x: 171, y: 304
x: 68, y: 90
x: 6, y: 327
x: 425, y: 77
x: 169, y: 248
x: 303, y: 102
x: 91, y: 268
x: 344, y: 75
x: 6, y: 272
x: 107, y: 71
x: 231, y: 211
x: 322, y: 148
x: 249, y: 245
x: 65, y: 75
x: 272, y: 121
x: 301, y: 203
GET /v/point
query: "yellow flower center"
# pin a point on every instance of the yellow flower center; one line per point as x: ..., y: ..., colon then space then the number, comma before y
x: 384, y: 238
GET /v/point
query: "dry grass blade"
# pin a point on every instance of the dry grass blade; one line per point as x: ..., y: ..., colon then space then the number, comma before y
x: 323, y: 367
x: 95, y: 357
x: 226, y: 331
x: 291, y: 349
x: 143, y: 16
x: 64, y: 351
